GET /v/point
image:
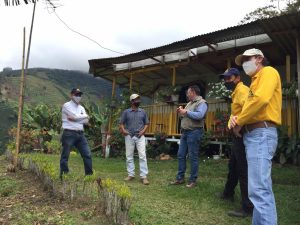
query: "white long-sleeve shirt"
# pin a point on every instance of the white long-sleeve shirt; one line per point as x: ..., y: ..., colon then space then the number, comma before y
x: 77, y: 112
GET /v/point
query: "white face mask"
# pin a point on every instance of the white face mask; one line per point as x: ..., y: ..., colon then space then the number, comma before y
x: 76, y: 99
x: 250, y: 67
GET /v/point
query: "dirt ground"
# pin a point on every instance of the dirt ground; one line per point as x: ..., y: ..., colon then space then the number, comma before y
x: 23, y: 201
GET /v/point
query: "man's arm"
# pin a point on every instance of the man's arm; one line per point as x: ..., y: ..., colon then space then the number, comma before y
x: 121, y: 124
x: 123, y: 130
x: 199, y: 113
x: 73, y: 116
x: 142, y: 132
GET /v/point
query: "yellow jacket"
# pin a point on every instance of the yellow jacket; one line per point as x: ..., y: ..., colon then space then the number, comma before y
x: 238, y: 96
x: 265, y: 98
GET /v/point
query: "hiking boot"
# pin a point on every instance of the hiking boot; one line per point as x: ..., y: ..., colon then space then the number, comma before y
x: 177, y: 182
x: 239, y: 213
x: 191, y: 185
x: 129, y: 178
x: 145, y: 181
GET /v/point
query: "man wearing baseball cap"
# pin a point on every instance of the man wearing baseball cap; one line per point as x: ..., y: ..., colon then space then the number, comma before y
x: 260, y: 115
x: 74, y: 117
x: 133, y: 124
x: 237, y: 164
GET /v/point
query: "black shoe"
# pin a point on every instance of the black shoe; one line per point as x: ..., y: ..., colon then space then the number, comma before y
x: 239, y: 213
x: 225, y: 197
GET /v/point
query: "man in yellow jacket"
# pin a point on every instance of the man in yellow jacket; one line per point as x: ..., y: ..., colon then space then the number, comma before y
x: 260, y: 115
x: 237, y: 162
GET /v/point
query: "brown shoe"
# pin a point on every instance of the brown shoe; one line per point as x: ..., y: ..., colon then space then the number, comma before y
x: 177, y: 182
x: 145, y: 181
x: 191, y: 185
x: 129, y: 178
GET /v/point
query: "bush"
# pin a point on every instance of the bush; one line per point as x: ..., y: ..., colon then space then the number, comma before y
x: 159, y: 146
x: 52, y: 147
x: 117, y: 144
x: 287, y: 148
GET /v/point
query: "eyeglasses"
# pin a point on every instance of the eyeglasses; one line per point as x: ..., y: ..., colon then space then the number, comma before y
x: 78, y: 94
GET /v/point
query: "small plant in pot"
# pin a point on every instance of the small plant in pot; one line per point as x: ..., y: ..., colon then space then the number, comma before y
x: 167, y: 94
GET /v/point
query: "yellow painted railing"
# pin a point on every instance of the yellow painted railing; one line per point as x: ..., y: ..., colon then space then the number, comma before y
x: 289, y: 115
x: 163, y: 117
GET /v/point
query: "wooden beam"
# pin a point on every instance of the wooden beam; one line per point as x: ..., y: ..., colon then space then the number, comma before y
x: 113, y: 90
x: 173, y: 76
x: 130, y: 81
x: 149, y: 69
x: 289, y: 104
x: 228, y: 63
x: 298, y: 73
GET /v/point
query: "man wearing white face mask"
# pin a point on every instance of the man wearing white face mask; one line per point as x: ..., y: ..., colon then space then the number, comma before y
x: 73, y: 119
x: 260, y: 115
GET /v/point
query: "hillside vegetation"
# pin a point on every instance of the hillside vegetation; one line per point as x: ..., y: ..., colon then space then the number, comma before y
x: 52, y: 86
x: 48, y: 86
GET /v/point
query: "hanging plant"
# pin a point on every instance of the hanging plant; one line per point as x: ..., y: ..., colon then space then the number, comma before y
x: 218, y: 91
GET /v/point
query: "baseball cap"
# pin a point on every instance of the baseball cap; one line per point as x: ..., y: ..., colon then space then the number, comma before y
x: 76, y: 91
x: 229, y: 72
x: 249, y: 52
x: 133, y: 96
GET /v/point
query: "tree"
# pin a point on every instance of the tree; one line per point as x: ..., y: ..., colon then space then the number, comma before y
x: 291, y: 6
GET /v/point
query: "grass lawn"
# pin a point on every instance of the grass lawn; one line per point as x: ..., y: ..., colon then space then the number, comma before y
x: 162, y: 204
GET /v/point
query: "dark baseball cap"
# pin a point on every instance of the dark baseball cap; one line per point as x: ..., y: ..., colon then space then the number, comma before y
x: 76, y: 91
x: 229, y: 72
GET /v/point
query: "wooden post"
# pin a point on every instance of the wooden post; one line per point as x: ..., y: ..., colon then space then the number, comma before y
x: 30, y: 36
x: 228, y: 63
x: 174, y: 76
x: 130, y: 81
x: 298, y: 74
x: 289, y: 104
x: 113, y: 93
x: 15, y: 161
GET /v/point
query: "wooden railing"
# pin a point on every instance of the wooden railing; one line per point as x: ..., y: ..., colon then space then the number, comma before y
x: 163, y: 117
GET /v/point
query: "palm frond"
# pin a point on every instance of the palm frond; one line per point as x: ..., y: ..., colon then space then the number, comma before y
x: 17, y: 2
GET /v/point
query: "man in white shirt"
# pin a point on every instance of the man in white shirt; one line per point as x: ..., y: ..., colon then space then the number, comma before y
x: 73, y: 119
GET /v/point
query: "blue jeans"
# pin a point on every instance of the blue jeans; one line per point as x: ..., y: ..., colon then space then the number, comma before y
x: 76, y: 139
x: 261, y: 144
x: 189, y: 144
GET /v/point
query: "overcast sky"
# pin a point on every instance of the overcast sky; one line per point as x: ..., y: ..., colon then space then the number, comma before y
x: 124, y: 26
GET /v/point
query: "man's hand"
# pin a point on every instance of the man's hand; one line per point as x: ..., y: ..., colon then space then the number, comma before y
x: 71, y: 118
x: 232, y: 122
x: 141, y: 133
x: 181, y: 111
x: 125, y: 132
x: 236, y: 131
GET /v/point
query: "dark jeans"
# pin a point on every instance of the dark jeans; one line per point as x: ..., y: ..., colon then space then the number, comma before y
x: 189, y: 144
x: 76, y: 139
x: 238, y: 172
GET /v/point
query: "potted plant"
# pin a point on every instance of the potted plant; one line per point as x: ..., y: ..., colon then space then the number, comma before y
x: 168, y: 94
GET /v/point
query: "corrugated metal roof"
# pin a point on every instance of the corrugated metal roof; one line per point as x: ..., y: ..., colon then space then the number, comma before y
x: 203, y: 67
x: 281, y: 29
x: 231, y: 33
